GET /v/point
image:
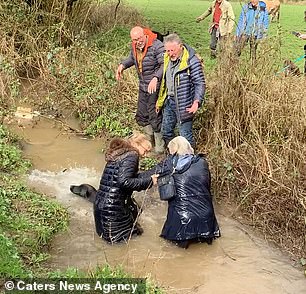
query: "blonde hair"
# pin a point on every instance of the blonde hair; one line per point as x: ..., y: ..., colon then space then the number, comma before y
x: 139, y: 139
x: 180, y: 146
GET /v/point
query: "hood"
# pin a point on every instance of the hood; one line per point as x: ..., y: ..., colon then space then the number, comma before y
x: 185, y: 161
x: 191, y: 51
x: 119, y: 148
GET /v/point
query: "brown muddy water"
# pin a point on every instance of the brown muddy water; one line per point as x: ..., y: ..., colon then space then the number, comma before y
x: 240, y: 262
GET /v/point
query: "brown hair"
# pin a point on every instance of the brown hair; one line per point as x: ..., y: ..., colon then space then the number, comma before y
x: 139, y: 139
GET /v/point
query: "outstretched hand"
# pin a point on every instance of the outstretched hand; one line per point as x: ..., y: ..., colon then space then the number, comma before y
x: 119, y: 72
x: 302, y: 36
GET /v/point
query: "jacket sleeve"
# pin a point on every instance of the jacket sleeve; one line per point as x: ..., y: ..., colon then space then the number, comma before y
x: 128, y: 175
x: 266, y: 21
x: 206, y: 13
x: 130, y: 61
x: 231, y: 18
x: 159, y: 55
x: 241, y: 22
x: 197, y: 79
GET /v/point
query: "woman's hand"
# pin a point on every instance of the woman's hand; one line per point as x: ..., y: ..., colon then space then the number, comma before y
x: 154, y: 179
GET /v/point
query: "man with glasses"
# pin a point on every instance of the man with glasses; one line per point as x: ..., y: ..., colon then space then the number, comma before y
x: 147, y: 57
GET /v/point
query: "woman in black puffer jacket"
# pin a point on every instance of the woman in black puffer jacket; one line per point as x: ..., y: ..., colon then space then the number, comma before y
x: 191, y: 216
x: 115, y: 211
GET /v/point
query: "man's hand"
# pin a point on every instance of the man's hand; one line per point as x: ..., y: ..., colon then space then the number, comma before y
x: 119, y: 72
x: 152, y: 85
x: 194, y: 107
x: 302, y: 36
x: 198, y: 19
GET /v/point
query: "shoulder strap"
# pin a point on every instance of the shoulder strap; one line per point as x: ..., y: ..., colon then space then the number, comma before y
x: 174, y: 163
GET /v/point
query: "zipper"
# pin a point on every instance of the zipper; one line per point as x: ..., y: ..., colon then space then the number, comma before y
x: 175, y: 89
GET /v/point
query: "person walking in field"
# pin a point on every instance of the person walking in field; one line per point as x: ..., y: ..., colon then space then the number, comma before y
x: 252, y: 26
x: 223, y: 20
x: 182, y: 89
x: 147, y: 56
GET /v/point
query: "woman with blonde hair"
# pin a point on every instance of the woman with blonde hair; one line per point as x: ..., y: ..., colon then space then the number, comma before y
x: 190, y: 216
x: 115, y: 211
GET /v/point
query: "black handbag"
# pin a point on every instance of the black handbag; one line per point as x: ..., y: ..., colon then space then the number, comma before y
x: 166, y: 187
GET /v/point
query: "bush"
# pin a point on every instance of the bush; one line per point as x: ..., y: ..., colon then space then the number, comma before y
x: 255, y: 132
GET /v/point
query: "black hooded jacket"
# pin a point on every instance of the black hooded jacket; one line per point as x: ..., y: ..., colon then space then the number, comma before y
x: 190, y: 213
x: 114, y: 209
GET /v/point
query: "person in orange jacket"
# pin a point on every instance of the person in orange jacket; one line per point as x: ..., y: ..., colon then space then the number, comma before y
x: 146, y: 55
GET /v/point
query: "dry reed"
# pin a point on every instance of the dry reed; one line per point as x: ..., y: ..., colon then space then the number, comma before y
x: 255, y: 132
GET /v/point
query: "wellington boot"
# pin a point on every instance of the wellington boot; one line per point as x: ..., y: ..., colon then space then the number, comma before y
x: 159, y: 143
x: 149, y: 133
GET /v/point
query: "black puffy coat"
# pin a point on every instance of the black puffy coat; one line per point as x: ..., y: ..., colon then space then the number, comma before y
x: 114, y: 210
x: 190, y: 213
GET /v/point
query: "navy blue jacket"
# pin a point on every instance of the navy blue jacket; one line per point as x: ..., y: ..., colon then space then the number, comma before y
x: 190, y: 213
x: 189, y: 84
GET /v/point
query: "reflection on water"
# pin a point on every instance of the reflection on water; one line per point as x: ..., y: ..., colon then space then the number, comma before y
x: 238, y: 262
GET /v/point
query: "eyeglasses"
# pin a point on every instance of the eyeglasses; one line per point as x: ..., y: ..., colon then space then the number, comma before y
x: 135, y: 40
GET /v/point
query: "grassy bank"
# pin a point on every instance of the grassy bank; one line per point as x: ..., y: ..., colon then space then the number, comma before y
x: 46, y: 62
x: 28, y: 221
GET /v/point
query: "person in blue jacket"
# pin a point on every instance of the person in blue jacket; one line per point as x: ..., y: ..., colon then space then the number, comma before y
x: 252, y: 26
x: 191, y: 217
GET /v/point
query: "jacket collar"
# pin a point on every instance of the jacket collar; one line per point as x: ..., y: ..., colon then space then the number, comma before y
x: 183, y: 60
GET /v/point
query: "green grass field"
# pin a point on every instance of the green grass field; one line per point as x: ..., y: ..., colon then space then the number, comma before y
x: 179, y: 16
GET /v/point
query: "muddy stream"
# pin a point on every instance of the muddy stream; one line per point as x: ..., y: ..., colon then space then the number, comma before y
x: 239, y: 262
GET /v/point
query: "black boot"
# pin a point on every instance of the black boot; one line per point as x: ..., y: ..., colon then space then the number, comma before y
x: 213, y: 54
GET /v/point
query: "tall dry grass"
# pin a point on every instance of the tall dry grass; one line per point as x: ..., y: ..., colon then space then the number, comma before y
x: 255, y: 132
x: 29, y: 34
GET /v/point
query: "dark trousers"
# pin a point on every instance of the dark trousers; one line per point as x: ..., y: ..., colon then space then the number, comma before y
x: 146, y: 114
x: 241, y: 43
x: 213, y: 39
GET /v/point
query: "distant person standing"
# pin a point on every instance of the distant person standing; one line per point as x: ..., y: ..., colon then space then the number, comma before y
x: 182, y: 89
x: 147, y: 56
x: 223, y: 20
x: 252, y: 26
